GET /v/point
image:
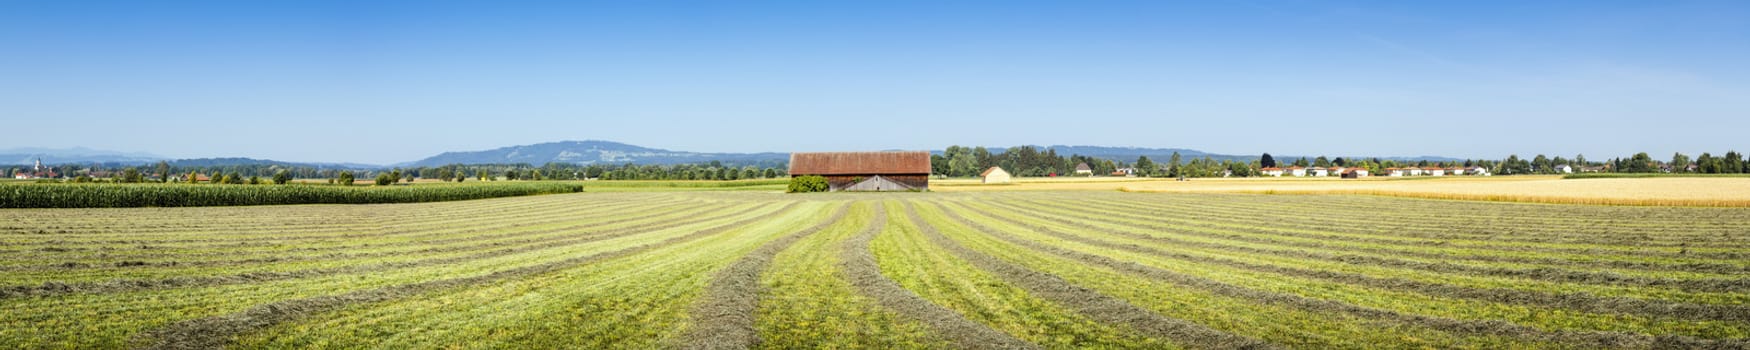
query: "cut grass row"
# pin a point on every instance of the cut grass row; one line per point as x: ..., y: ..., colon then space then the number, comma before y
x: 184, y: 195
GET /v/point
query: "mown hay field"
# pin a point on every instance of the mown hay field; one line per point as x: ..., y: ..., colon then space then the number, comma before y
x: 1661, y: 191
x: 904, y: 270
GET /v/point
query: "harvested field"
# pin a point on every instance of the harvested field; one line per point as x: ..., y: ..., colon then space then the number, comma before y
x: 1721, y: 191
x: 1003, y: 269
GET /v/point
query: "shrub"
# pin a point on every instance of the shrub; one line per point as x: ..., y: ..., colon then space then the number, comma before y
x: 345, y: 178
x: 808, y: 183
x: 384, y: 179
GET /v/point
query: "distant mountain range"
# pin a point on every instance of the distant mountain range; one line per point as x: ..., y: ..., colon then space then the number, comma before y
x: 28, y: 156
x: 589, y: 152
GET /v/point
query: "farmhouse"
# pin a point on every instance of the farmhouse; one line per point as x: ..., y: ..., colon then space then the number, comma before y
x: 1271, y: 171
x: 1297, y: 171
x: 1354, y: 173
x: 995, y: 175
x: 1564, y: 168
x: 1323, y: 172
x: 1434, y: 171
x: 1083, y: 169
x: 1479, y: 170
x: 866, y: 171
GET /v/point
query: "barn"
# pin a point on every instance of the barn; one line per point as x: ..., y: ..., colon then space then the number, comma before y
x: 866, y: 171
x: 995, y: 175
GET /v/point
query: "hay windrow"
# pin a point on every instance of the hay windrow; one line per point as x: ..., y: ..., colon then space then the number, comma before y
x: 217, y: 331
x: 1542, y: 273
x: 1571, y: 301
x: 858, y: 263
x: 118, y: 286
x: 1089, y: 303
x: 1493, y: 327
x: 724, y: 317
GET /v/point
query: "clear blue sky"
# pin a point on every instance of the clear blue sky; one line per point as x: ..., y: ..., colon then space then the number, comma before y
x: 397, y: 81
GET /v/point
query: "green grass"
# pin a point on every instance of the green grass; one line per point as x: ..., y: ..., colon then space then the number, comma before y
x: 626, y: 270
x: 66, y: 195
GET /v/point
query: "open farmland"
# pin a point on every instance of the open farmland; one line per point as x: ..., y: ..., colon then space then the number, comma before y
x: 1670, y: 191
x: 1027, y: 269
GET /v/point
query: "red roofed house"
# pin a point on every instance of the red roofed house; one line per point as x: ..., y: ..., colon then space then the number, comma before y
x: 866, y: 171
x: 1271, y: 171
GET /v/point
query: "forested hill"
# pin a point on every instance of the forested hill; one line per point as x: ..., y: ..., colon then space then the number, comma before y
x: 592, y: 152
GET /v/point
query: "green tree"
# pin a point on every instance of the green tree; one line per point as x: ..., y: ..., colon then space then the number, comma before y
x: 1639, y: 163
x: 1267, y: 161
x: 962, y: 162
x: 385, y: 179
x: 193, y: 177
x: 510, y: 175
x: 1321, y: 162
x: 163, y: 171
x: 131, y: 175
x: 282, y: 177
x: 345, y: 178
x: 1734, y: 163
x: 1679, y: 162
x: 1144, y: 167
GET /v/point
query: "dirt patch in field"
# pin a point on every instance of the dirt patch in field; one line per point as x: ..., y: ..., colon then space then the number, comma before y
x: 1592, y: 339
x: 724, y: 317
x: 1098, y: 307
x: 858, y: 263
x: 217, y: 331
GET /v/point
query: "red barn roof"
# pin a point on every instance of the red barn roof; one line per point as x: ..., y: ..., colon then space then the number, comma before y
x: 858, y: 163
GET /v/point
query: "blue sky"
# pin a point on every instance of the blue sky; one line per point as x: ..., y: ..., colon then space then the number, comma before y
x: 396, y: 81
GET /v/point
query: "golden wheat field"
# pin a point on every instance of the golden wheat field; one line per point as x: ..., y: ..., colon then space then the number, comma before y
x: 1716, y: 192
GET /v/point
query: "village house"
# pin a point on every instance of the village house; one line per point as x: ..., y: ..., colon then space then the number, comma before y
x: 1083, y: 169
x: 1322, y: 172
x: 995, y: 175
x: 1271, y: 171
x: 1455, y: 171
x: 1354, y: 173
x: 1479, y: 170
x: 1297, y: 171
x: 1396, y: 172
x: 1433, y: 171
x: 1124, y: 172
x: 866, y: 171
x: 1564, y: 169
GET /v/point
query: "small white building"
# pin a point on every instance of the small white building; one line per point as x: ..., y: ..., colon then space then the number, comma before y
x: 1397, y: 172
x: 995, y: 175
x: 1354, y: 173
x: 1564, y: 169
x: 1434, y: 171
x: 1083, y: 169
x: 1478, y: 171
x: 1297, y: 171
x: 1271, y: 171
x: 1321, y: 172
